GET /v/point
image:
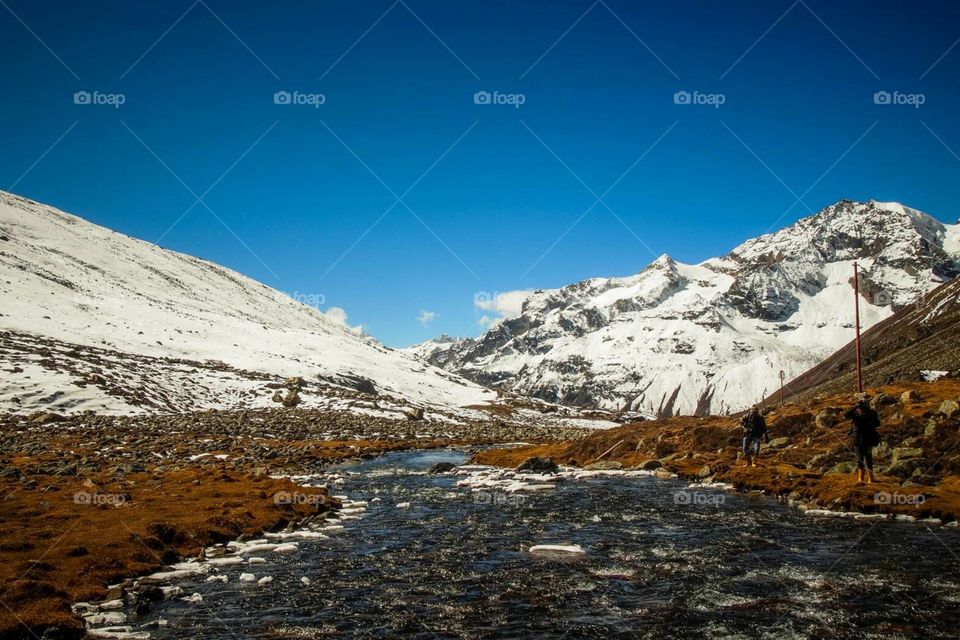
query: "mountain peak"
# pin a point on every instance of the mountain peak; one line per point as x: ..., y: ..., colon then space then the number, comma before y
x: 664, y: 262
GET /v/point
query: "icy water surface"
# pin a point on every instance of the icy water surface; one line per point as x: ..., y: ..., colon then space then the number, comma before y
x: 456, y: 564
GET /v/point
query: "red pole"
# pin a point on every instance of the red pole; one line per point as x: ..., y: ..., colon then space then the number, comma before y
x: 856, y: 311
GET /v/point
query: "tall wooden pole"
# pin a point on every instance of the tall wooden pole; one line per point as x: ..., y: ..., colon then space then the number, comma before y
x: 856, y: 312
x: 781, y: 387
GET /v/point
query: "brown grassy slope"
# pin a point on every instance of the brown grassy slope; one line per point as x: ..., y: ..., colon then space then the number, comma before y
x: 709, y: 446
x: 55, y: 549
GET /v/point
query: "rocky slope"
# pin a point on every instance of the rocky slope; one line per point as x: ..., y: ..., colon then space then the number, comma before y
x: 713, y: 337
x: 94, y: 320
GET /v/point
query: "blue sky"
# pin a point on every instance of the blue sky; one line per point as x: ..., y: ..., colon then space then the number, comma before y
x: 304, y: 197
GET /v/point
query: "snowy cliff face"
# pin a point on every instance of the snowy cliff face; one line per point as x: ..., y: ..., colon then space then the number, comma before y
x: 713, y: 337
x: 93, y: 319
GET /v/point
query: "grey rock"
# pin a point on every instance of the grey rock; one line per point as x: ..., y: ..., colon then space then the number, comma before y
x: 442, y: 467
x: 906, y: 453
x: 910, y: 396
x: 949, y: 408
x: 537, y: 464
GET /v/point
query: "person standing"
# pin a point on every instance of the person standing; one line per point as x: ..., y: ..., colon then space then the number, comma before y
x: 865, y: 436
x: 754, y: 430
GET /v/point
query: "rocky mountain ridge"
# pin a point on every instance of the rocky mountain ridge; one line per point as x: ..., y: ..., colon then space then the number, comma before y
x: 712, y: 337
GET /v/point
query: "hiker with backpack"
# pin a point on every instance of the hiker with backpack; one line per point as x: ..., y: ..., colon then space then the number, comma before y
x: 865, y: 436
x: 754, y: 430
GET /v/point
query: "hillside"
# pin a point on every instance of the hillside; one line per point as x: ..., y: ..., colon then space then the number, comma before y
x: 95, y: 320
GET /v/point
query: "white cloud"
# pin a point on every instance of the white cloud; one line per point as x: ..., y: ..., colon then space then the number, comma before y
x: 336, y: 314
x: 339, y: 316
x: 426, y: 317
x: 506, y: 305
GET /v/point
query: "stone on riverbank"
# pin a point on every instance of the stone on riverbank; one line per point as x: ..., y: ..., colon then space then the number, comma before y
x: 536, y: 464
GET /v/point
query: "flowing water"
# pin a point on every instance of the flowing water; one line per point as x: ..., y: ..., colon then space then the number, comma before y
x: 660, y: 561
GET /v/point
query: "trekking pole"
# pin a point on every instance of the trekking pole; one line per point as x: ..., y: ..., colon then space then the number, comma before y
x: 856, y: 313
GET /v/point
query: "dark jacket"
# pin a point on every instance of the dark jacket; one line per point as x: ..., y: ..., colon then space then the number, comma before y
x: 865, y: 424
x: 753, y: 425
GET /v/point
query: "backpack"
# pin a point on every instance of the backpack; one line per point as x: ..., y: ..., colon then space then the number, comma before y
x: 753, y: 425
x: 873, y: 421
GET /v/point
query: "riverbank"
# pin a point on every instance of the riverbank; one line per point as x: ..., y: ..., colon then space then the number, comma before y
x: 809, y: 459
x: 90, y: 501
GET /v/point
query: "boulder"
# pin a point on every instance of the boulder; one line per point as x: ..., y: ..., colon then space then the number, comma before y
x: 46, y: 417
x: 536, y: 464
x: 906, y: 453
x: 906, y: 468
x: 882, y: 400
x: 705, y: 472
x: 949, y: 408
x: 442, y: 467
x: 650, y: 465
x: 604, y: 465
x: 909, y: 396
x: 296, y: 382
x: 843, y: 467
x: 277, y: 397
x: 778, y: 443
x: 828, y: 418
x: 292, y: 399
x: 413, y: 413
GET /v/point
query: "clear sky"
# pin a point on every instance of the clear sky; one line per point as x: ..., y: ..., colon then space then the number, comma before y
x: 399, y: 199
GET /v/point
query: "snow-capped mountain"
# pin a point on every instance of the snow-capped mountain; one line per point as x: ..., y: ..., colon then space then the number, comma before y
x: 93, y: 319
x: 712, y: 337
